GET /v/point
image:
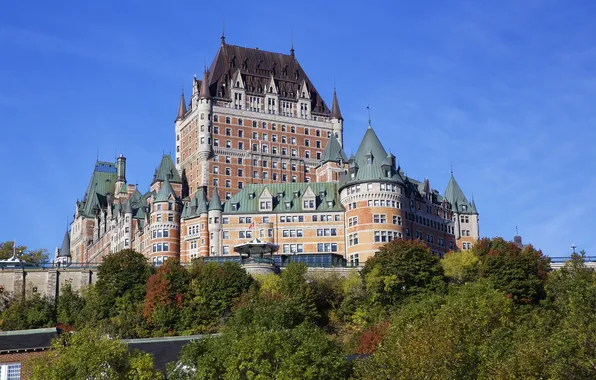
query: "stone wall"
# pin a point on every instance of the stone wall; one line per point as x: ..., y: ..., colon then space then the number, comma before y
x: 47, y: 282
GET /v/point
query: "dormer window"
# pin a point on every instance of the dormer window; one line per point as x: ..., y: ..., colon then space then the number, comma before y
x: 296, y: 193
x: 288, y: 205
x: 251, y: 196
x: 329, y: 203
x: 234, y: 206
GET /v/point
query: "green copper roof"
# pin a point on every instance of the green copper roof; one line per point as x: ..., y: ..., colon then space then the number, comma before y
x: 215, y: 203
x: 197, y: 206
x: 371, y: 162
x: 286, y: 198
x: 167, y: 170
x: 103, y: 181
x: 165, y: 192
x: 455, y: 196
x: 333, y: 151
x: 65, y: 249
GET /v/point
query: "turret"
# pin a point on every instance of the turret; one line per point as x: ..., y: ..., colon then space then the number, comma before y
x: 337, y: 120
x: 215, y: 210
x: 127, y: 224
x: 465, y: 215
x: 205, y: 108
x: 63, y: 254
x: 165, y: 224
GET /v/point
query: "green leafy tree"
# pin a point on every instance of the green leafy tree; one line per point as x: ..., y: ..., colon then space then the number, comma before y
x: 401, y: 268
x: 261, y: 353
x: 121, y: 275
x: 32, y: 312
x: 440, y: 337
x: 212, y: 292
x: 69, y: 305
x: 34, y: 256
x: 88, y: 355
x: 570, y: 310
x: 460, y: 267
x: 520, y: 273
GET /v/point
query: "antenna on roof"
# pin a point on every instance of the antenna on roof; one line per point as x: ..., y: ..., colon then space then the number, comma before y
x: 368, y: 108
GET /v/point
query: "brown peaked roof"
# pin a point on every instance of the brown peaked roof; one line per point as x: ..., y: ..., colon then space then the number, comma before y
x: 335, y: 112
x: 256, y: 67
x: 205, y: 94
x: 181, y: 107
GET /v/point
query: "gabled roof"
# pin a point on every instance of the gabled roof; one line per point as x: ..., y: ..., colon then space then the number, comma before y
x: 165, y: 193
x: 247, y: 199
x: 333, y: 151
x: 103, y: 181
x: 215, y: 203
x: 65, y: 248
x: 455, y: 196
x: 256, y: 67
x: 167, y: 169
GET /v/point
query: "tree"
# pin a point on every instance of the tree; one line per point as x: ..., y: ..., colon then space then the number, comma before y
x: 440, y: 337
x: 32, y: 312
x: 401, y: 268
x: 520, y: 273
x: 460, y: 267
x: 34, y: 256
x: 261, y: 353
x: 166, y: 290
x: 69, y: 305
x: 122, y: 274
x: 88, y: 355
x: 212, y: 292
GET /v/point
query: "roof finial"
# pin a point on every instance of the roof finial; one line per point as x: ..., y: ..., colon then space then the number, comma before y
x: 516, y: 231
x: 452, y: 170
x: 223, y: 32
x: 368, y: 108
x: 292, y: 38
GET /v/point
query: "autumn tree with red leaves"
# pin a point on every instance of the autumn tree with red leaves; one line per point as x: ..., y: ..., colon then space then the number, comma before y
x: 165, y: 296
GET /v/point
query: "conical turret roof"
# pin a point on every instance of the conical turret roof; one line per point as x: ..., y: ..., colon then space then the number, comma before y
x: 205, y: 94
x: 335, y: 112
x: 215, y: 203
x: 65, y: 248
x: 181, y: 107
x: 127, y: 207
x: 167, y: 170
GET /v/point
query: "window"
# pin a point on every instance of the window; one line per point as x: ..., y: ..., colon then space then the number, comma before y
x: 353, y: 239
x: 228, y: 121
x: 379, y: 218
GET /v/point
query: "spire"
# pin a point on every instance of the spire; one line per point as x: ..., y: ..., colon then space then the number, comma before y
x: 215, y: 203
x: 181, y: 107
x: 223, y: 33
x: 205, y: 94
x: 335, y: 112
x: 65, y: 249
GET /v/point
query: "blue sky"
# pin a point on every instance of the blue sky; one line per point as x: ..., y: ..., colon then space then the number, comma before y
x: 505, y: 91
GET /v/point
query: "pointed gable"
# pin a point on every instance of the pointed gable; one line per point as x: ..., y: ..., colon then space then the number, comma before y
x: 333, y: 151
x: 237, y: 81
